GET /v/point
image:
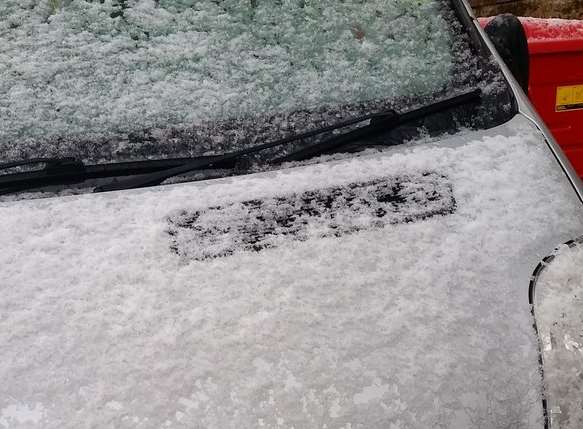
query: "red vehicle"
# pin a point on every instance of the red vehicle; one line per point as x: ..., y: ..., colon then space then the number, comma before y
x: 555, y: 85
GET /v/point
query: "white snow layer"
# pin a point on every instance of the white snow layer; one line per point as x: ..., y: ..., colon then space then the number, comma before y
x: 411, y: 325
x: 544, y: 29
x: 99, y: 68
x: 559, y: 315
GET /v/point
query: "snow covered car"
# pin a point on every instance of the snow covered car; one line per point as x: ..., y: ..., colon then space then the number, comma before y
x: 356, y: 197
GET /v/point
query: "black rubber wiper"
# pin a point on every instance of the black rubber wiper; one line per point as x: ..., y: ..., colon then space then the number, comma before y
x: 379, y: 122
x: 32, y: 161
x: 380, y: 126
x: 157, y: 178
x: 69, y: 170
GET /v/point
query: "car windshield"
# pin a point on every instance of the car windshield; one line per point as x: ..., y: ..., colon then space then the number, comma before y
x: 120, y: 80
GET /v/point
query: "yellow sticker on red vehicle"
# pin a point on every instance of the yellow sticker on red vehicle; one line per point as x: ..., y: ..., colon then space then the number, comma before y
x: 569, y: 98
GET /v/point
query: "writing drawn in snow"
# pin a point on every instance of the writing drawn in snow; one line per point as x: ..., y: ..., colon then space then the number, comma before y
x: 258, y: 224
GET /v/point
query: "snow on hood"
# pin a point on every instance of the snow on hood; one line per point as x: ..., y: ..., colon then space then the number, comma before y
x: 411, y: 323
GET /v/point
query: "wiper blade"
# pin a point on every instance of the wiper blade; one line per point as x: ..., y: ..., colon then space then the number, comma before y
x: 63, y: 171
x: 33, y: 161
x: 380, y: 122
x: 380, y: 126
x: 69, y: 170
x: 157, y: 178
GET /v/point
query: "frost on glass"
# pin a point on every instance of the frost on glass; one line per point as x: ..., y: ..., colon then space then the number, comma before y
x: 78, y: 70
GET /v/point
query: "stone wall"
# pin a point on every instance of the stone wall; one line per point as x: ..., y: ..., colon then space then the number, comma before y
x: 536, y: 8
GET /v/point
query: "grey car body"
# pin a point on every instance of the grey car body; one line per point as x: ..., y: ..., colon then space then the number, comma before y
x: 388, y: 289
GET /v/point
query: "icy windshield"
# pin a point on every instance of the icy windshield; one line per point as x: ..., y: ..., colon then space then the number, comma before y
x: 92, y: 72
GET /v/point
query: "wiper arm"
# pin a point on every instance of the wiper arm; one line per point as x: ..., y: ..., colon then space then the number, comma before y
x: 33, y: 161
x: 157, y: 178
x: 56, y: 171
x: 69, y: 170
x: 380, y: 125
x: 380, y: 122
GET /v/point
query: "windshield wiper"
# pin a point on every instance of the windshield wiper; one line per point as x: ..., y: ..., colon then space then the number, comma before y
x: 379, y: 122
x: 377, y: 126
x: 69, y: 170
x: 33, y: 161
x: 157, y: 178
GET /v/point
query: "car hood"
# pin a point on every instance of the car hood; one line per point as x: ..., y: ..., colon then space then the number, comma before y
x: 384, y: 290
